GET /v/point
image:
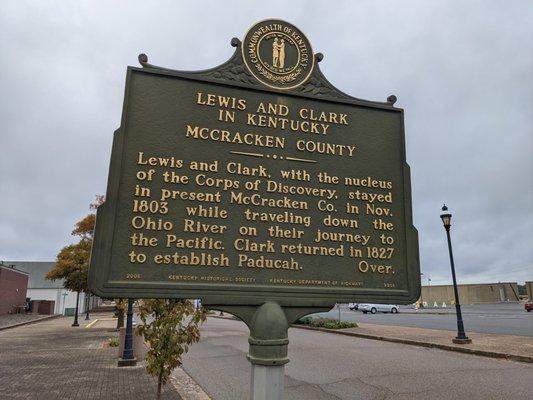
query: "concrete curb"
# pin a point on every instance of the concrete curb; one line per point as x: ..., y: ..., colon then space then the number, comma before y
x: 429, y: 312
x: 30, y: 322
x: 483, y: 353
x: 187, y: 387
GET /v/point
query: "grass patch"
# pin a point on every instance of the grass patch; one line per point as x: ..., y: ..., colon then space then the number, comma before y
x: 328, y: 323
x: 112, y: 342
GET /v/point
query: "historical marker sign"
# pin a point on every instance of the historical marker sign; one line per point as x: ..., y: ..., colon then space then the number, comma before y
x: 256, y: 180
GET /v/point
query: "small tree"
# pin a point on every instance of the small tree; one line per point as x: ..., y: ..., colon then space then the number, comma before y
x: 169, y: 326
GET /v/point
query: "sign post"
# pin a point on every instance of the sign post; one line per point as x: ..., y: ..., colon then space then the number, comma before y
x: 260, y: 188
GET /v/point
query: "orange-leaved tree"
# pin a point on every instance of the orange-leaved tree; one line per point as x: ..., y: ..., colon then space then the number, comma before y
x: 72, y: 264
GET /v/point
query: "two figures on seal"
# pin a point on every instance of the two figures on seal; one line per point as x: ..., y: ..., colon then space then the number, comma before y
x: 278, y: 53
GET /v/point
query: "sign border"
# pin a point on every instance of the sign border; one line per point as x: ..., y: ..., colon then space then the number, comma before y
x: 298, y: 296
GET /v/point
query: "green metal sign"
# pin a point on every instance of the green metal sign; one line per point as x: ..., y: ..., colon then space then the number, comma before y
x: 256, y: 181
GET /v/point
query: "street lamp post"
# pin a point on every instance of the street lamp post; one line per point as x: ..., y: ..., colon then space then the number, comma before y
x: 64, y: 302
x: 128, y: 359
x: 87, y: 305
x: 420, y: 302
x: 461, y: 338
x: 76, y: 312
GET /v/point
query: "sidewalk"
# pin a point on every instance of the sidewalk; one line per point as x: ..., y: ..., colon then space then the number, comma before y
x: 517, y: 348
x: 9, y: 321
x: 50, y: 360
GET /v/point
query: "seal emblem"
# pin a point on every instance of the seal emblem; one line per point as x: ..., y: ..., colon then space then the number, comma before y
x: 278, y: 54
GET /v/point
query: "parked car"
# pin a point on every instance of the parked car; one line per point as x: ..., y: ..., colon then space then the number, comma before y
x: 529, y: 305
x: 353, y: 306
x: 374, y: 308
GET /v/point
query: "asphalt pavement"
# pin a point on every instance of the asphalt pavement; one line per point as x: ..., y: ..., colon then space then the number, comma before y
x: 326, y: 366
x: 501, y: 318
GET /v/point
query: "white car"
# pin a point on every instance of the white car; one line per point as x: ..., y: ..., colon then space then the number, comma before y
x: 374, y: 308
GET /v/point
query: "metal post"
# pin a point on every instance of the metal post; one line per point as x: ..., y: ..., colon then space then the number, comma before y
x: 128, y: 359
x: 268, y: 352
x: 461, y: 336
x: 87, y: 302
x: 64, y: 302
x: 420, y: 301
x: 267, y: 382
x: 76, y: 312
x: 268, y: 341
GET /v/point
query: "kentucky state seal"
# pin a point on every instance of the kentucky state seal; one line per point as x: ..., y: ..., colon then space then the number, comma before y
x: 278, y: 54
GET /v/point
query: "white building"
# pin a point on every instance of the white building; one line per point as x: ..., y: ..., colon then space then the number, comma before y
x: 40, y: 288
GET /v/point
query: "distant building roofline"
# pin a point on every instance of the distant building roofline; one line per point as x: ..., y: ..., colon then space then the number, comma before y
x: 37, y: 271
x: 27, y: 261
x: 11, y: 267
x: 474, y: 284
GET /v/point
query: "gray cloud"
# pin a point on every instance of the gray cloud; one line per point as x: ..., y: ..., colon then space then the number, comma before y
x: 462, y: 71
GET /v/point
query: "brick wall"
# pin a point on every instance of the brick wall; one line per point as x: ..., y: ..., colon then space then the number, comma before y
x: 13, y: 287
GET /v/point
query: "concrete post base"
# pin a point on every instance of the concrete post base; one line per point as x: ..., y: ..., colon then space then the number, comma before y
x: 267, y: 382
x: 132, y: 362
x: 462, y: 341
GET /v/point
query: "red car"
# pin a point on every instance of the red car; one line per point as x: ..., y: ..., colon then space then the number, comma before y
x: 529, y: 305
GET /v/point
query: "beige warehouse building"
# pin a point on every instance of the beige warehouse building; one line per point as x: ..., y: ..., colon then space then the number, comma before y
x: 529, y: 289
x: 471, y: 294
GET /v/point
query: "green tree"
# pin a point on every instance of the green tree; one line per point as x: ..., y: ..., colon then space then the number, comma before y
x: 169, y: 326
x: 72, y: 264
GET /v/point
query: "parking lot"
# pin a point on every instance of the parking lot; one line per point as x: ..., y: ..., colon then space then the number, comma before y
x: 501, y: 318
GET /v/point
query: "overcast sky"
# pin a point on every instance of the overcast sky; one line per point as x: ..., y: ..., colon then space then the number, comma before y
x: 462, y: 70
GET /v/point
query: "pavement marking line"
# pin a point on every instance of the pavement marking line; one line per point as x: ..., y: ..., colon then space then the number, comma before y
x: 100, y: 319
x: 91, y: 323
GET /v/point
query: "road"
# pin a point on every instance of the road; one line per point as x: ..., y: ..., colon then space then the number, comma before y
x: 503, y: 318
x: 326, y: 366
